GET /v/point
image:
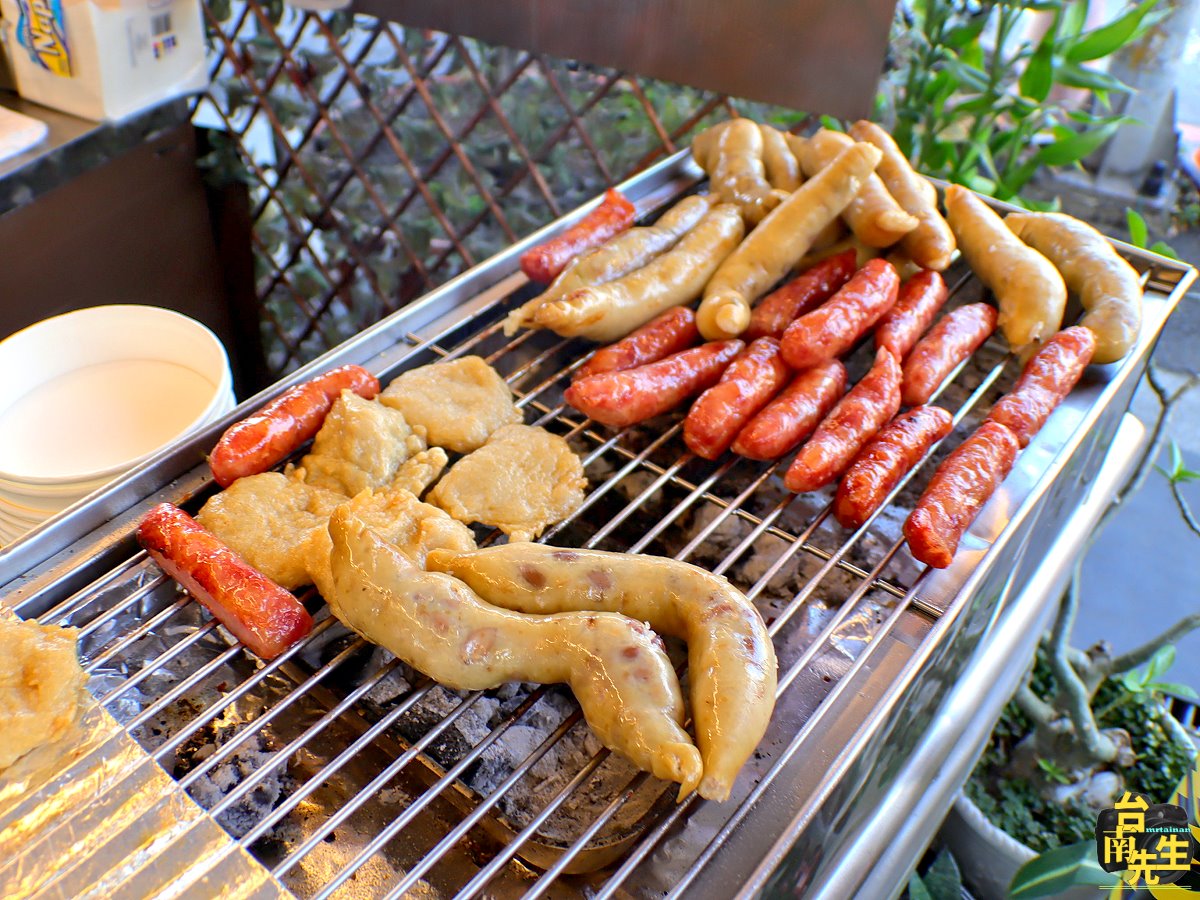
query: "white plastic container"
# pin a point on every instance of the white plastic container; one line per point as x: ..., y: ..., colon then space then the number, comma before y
x: 92, y: 393
x: 104, y: 59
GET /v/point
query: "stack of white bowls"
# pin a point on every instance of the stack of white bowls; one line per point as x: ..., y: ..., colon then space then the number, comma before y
x: 90, y: 394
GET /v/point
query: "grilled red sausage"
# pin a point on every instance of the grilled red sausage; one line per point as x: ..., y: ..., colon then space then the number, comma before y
x: 956, y: 336
x: 544, y: 262
x: 281, y: 427
x: 854, y: 421
x: 663, y: 335
x: 833, y: 328
x: 959, y: 488
x: 889, y: 456
x: 792, y: 416
x: 804, y: 293
x: 261, y: 614
x: 1048, y: 377
x: 634, y: 395
x: 751, y: 380
x: 916, y: 307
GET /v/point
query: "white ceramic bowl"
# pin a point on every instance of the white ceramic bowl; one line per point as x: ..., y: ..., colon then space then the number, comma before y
x: 91, y: 393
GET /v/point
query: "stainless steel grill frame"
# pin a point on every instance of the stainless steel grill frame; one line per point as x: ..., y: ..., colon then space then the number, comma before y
x: 788, y: 818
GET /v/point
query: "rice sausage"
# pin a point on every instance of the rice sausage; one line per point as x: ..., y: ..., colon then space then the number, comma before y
x: 956, y: 336
x: 624, y: 398
x: 1048, y: 376
x: 874, y: 215
x: 1028, y: 289
x: 836, y: 326
x: 606, y: 312
x: 887, y: 458
x: 960, y: 487
x: 931, y: 244
x: 857, y: 418
x: 794, y: 414
x: 752, y: 379
x: 731, y: 662
x: 1108, y: 287
x: 781, y: 241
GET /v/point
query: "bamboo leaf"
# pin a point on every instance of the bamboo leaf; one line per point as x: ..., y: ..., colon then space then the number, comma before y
x: 1075, y: 75
x: 1067, y: 150
x: 1037, y: 79
x: 1052, y: 872
x: 1107, y: 39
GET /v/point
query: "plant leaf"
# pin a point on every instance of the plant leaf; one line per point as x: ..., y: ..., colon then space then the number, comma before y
x: 1074, y: 18
x: 917, y: 889
x: 1052, y: 872
x: 1138, y: 232
x: 962, y: 35
x: 1037, y: 79
x: 1161, y: 661
x: 1174, y: 687
x: 1074, y: 75
x: 942, y: 878
x: 1164, y: 249
x: 1107, y: 39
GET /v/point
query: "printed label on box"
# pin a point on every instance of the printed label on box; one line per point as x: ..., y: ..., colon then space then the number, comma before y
x: 41, y: 30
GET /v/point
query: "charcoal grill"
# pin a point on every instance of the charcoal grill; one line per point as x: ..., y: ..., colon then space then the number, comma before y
x: 332, y: 772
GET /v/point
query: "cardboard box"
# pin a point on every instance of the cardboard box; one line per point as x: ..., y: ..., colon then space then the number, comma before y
x: 104, y: 59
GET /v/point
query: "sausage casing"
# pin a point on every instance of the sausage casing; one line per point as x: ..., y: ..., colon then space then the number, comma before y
x: 606, y: 312
x: 259, y: 613
x: 956, y: 336
x: 780, y: 241
x: 752, y: 379
x: 931, y: 244
x: 916, y: 307
x: 874, y: 215
x: 663, y: 335
x: 623, y: 398
x: 1047, y: 378
x: 887, y: 458
x: 284, y: 425
x: 618, y: 256
x: 1029, y: 291
x: 794, y: 414
x: 833, y: 328
x: 960, y: 487
x: 1108, y: 287
x: 856, y: 419
x: 802, y: 294
x: 545, y: 262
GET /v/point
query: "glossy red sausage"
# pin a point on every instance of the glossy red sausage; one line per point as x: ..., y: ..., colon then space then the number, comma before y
x: 804, y: 293
x: 663, y: 335
x: 261, y: 614
x: 792, y: 416
x: 886, y: 459
x: 634, y: 395
x: 959, y: 488
x: 855, y: 420
x: 916, y: 307
x: 833, y: 328
x: 751, y: 380
x: 1048, y: 377
x: 544, y: 262
x: 280, y: 428
x: 956, y: 336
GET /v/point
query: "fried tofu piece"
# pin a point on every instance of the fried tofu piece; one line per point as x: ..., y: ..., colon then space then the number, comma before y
x: 523, y: 479
x: 412, y: 527
x: 41, y: 684
x: 268, y: 519
x: 360, y: 446
x: 458, y: 403
x: 420, y: 471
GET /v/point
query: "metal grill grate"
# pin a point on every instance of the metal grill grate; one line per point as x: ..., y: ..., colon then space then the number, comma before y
x: 383, y: 160
x: 341, y: 778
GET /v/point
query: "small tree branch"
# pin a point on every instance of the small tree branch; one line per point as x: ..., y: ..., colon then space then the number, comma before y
x: 1072, y: 694
x: 1034, y: 706
x: 1140, y: 654
x: 1185, y: 509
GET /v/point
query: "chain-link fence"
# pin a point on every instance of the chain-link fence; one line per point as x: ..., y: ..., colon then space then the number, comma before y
x: 383, y: 160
